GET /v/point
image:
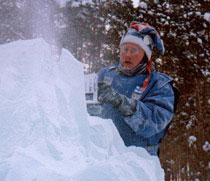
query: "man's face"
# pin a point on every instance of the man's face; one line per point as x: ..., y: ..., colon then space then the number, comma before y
x: 131, y: 55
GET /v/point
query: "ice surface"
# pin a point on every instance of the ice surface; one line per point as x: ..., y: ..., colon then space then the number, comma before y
x: 46, y: 133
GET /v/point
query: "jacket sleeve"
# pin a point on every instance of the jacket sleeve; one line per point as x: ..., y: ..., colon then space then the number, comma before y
x: 154, y: 112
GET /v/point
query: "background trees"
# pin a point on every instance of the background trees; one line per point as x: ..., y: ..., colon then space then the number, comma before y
x: 91, y: 30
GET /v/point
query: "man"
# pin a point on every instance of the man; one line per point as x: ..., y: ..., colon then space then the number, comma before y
x: 140, y: 101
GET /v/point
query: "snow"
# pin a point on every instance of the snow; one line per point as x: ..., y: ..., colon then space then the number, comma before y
x: 150, y: 12
x: 62, y: 3
x: 143, y: 5
x: 207, y: 16
x: 198, y: 13
x: 199, y: 40
x: 166, y: 23
x: 192, y: 34
x: 159, y: 61
x: 191, y: 140
x: 189, y: 124
x: 46, y: 133
x: 135, y: 3
x: 206, y: 146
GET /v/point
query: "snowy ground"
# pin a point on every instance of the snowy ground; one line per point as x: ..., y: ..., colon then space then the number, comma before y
x: 46, y: 133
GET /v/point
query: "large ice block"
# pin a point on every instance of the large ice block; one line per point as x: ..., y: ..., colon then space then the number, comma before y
x: 46, y: 133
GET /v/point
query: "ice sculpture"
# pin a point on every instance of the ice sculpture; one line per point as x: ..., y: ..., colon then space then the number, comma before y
x: 46, y: 133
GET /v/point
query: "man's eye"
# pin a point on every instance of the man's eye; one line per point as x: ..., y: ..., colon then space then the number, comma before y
x: 125, y: 49
x: 135, y: 51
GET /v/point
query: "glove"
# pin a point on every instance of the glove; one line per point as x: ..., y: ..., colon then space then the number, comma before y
x: 124, y: 105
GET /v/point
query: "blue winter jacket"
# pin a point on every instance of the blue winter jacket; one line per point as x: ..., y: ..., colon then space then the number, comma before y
x: 154, y: 110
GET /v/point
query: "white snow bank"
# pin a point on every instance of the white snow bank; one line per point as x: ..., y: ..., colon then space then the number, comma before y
x: 45, y: 131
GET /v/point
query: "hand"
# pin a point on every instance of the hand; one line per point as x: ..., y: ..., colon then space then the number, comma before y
x: 124, y: 105
x: 106, y: 94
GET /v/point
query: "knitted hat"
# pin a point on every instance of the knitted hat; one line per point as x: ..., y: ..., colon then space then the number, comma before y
x: 145, y: 36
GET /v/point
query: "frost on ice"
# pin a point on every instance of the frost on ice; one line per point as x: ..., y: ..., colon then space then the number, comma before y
x: 46, y: 133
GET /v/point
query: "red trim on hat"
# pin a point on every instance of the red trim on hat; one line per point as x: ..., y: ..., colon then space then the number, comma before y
x: 140, y: 26
x: 146, y: 82
x: 134, y: 25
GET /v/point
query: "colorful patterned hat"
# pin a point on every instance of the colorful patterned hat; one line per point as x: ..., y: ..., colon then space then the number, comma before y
x: 145, y: 36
